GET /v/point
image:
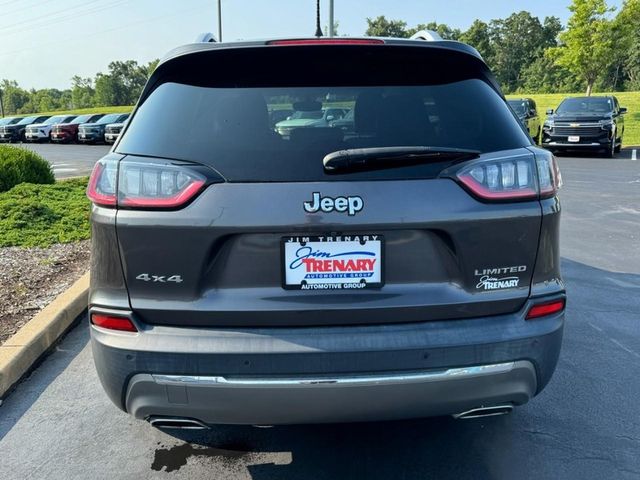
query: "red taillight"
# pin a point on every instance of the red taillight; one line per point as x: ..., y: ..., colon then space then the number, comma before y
x: 329, y: 41
x: 162, y: 185
x: 512, y: 178
x: 102, y: 184
x: 544, y: 309
x: 549, y: 176
x: 500, y: 179
x: 157, y: 184
x: 113, y: 322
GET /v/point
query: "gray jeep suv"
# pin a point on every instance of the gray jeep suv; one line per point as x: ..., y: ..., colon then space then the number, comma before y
x: 406, y: 268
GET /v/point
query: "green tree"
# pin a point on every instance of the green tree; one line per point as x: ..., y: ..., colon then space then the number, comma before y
x: 109, y: 91
x: 587, y: 45
x: 381, y: 27
x: 626, y: 39
x: 82, y: 92
x: 14, y: 98
x: 543, y: 75
x: 518, y: 41
x: 479, y: 37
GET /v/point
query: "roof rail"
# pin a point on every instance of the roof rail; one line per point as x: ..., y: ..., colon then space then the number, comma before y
x: 427, y: 35
x: 205, y: 38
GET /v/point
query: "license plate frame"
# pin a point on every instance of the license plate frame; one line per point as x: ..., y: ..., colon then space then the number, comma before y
x: 334, y: 244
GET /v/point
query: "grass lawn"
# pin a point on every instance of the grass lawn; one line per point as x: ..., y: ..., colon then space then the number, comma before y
x: 41, y: 215
x: 631, y: 100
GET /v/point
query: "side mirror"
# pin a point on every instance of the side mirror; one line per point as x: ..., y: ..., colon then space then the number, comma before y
x: 289, y: 117
x: 550, y: 111
x: 330, y: 117
x: 623, y: 109
x: 532, y: 113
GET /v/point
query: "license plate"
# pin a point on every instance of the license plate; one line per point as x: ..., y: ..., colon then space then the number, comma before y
x: 345, y: 262
x: 574, y: 138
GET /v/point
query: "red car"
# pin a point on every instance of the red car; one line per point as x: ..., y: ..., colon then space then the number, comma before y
x: 68, y: 132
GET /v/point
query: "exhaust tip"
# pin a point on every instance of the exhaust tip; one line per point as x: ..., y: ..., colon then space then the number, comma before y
x: 177, y: 423
x: 484, y: 412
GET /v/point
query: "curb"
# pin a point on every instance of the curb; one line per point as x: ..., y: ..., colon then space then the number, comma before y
x: 20, y: 352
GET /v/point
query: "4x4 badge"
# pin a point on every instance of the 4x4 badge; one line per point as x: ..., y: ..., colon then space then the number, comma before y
x: 351, y: 204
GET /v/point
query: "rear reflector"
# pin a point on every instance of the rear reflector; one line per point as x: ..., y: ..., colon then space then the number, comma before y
x: 544, y: 309
x: 113, y: 322
x: 329, y: 41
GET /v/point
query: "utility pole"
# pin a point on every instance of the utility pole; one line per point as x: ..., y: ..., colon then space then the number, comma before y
x: 1, y: 105
x: 331, y: 32
x: 219, y: 20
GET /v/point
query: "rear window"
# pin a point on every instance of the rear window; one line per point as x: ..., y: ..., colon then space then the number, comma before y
x: 238, y: 131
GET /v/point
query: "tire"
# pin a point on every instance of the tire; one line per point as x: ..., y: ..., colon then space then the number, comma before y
x: 610, y: 150
x: 619, y: 147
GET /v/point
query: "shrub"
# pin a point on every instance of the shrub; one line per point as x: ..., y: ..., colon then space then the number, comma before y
x: 19, y: 165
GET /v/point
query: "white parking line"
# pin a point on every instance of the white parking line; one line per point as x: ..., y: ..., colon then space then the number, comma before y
x: 634, y: 154
x: 56, y: 165
x: 60, y: 170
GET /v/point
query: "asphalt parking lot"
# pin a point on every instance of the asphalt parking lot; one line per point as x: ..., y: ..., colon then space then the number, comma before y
x: 69, y: 160
x: 58, y: 423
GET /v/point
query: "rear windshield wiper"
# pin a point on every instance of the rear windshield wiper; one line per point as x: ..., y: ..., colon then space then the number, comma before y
x: 359, y: 159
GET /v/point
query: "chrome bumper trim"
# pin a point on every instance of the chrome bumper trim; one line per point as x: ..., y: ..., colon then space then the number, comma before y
x: 558, y: 144
x: 347, y: 380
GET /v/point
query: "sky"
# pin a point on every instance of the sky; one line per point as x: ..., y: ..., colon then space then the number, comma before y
x: 43, y: 43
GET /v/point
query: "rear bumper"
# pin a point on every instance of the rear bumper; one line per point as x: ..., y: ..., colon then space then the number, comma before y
x: 341, y: 398
x: 327, y: 374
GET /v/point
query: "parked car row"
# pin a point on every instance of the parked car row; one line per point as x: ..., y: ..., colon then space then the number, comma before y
x: 88, y: 128
x: 579, y: 123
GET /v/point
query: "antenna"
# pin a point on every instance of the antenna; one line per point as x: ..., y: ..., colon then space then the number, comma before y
x: 219, y: 20
x: 331, y: 32
x: 318, y: 29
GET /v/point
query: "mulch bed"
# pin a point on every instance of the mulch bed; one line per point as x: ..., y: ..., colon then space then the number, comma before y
x: 30, y: 278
